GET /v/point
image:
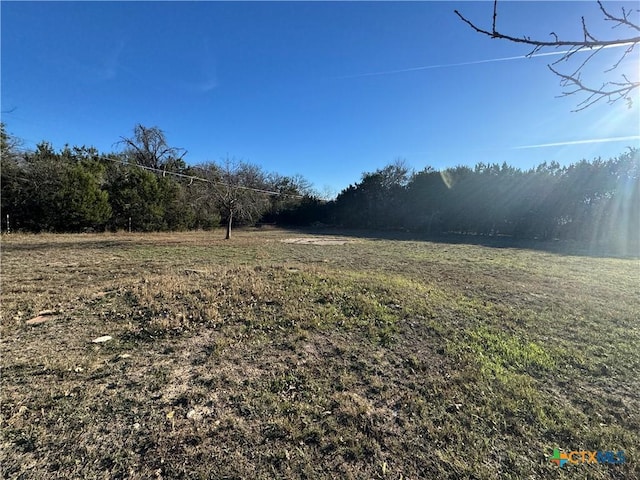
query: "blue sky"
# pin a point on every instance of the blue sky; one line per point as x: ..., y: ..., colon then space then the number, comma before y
x: 325, y: 89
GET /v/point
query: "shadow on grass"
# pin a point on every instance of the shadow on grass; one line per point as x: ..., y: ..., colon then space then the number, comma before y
x: 60, y: 245
x: 560, y: 247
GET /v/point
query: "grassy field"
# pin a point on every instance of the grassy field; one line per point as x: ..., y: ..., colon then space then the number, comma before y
x: 257, y: 358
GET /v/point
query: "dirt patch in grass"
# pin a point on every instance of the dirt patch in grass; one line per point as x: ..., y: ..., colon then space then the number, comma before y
x: 255, y: 358
x: 318, y: 241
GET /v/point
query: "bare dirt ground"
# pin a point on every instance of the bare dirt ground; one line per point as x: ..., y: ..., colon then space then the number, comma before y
x: 318, y: 241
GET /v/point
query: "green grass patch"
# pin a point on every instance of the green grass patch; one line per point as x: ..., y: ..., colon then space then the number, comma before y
x: 497, y: 353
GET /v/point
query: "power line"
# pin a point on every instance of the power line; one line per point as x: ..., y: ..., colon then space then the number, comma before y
x: 189, y: 177
x: 194, y: 177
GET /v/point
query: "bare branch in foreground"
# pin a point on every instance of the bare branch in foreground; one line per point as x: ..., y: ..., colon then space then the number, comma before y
x: 610, y: 91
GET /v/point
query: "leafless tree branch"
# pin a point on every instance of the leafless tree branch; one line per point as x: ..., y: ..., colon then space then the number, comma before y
x: 620, y: 21
x: 611, y: 91
x: 148, y: 147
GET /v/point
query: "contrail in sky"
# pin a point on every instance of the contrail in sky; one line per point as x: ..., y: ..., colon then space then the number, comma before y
x: 578, y: 142
x: 474, y: 62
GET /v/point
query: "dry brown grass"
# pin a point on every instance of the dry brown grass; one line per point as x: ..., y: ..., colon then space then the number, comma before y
x: 257, y: 358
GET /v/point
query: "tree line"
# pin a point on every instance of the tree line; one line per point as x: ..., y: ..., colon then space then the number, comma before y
x: 146, y: 187
x: 594, y: 201
x: 80, y: 189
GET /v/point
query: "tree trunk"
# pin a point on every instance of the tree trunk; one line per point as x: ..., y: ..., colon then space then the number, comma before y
x: 228, y: 236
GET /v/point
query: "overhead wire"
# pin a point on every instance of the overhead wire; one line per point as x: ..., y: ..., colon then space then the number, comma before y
x: 191, y: 178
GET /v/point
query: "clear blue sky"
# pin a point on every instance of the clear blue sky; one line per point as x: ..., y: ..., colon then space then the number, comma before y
x: 315, y: 88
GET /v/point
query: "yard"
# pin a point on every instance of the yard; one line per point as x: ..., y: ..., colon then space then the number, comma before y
x: 281, y: 354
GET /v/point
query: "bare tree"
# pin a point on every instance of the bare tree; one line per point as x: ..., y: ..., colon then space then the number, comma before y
x: 148, y: 147
x: 10, y: 145
x: 573, y: 83
x: 237, y: 188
